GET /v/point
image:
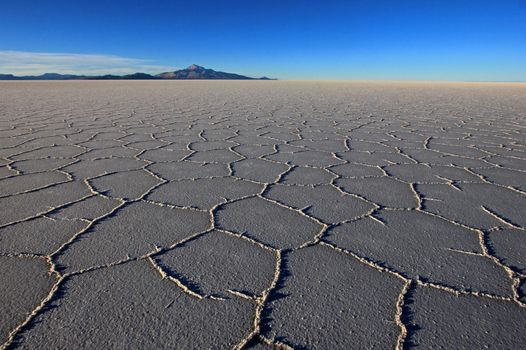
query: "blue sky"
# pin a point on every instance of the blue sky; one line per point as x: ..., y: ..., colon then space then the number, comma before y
x: 369, y: 39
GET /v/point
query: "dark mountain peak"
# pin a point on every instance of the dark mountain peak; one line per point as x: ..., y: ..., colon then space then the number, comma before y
x: 51, y: 75
x: 139, y: 76
x: 56, y: 76
x: 8, y: 77
x: 195, y: 67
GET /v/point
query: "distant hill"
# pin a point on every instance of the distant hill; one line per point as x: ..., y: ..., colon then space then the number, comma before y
x: 135, y: 76
x: 56, y: 76
x: 192, y: 72
x: 45, y: 76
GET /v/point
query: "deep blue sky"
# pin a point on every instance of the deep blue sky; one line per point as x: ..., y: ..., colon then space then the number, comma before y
x: 367, y: 39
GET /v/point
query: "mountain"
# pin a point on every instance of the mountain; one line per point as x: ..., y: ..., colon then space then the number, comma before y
x: 8, y: 77
x: 135, y: 76
x: 192, y: 72
x: 56, y: 76
x: 45, y: 76
x: 197, y: 72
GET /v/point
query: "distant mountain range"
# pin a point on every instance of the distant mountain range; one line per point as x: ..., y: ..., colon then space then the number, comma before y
x: 193, y: 72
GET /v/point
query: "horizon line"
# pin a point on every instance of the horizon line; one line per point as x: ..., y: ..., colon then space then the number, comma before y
x: 257, y: 79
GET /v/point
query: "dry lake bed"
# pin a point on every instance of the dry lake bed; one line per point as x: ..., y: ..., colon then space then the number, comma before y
x: 263, y: 214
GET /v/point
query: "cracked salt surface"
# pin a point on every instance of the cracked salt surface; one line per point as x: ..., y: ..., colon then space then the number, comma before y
x: 254, y: 215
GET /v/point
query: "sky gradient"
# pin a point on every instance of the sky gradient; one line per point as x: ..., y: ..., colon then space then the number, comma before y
x: 375, y: 39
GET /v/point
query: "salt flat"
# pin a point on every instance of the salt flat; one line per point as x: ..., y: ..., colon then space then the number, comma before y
x: 259, y: 215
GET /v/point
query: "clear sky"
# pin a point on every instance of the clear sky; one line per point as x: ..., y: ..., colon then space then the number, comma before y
x: 289, y: 39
